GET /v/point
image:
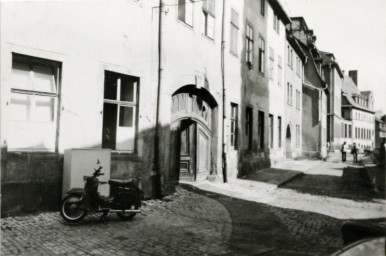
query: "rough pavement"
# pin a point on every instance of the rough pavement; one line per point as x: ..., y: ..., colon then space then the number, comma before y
x: 183, y: 224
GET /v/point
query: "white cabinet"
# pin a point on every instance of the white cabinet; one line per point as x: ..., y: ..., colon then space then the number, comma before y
x: 82, y: 162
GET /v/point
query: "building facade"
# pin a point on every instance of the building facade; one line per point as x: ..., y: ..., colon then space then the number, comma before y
x: 295, y: 58
x: 333, y: 76
x: 315, y: 92
x: 358, y: 114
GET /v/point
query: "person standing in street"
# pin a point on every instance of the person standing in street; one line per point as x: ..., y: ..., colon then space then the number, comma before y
x: 343, y: 149
x: 354, y: 152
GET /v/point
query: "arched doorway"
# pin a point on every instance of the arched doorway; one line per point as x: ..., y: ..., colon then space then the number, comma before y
x: 192, y: 126
x: 288, y: 142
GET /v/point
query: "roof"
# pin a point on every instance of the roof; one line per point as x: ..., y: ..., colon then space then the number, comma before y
x: 311, y: 73
x: 276, y: 6
x: 294, y: 42
x: 349, y: 90
x: 329, y: 60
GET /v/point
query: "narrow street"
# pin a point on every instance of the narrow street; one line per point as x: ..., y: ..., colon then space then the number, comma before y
x: 188, y: 223
x: 302, y: 217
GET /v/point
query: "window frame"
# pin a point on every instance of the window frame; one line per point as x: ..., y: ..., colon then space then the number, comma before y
x: 262, y: 7
x: 249, y: 125
x: 261, y: 55
x: 34, y: 63
x: 234, y: 129
x: 209, y: 14
x: 233, y: 44
x: 122, y: 103
x: 185, y: 5
x: 249, y: 45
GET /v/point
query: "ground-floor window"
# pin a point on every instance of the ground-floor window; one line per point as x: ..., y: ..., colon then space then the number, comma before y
x: 279, y: 130
x: 234, y: 121
x: 297, y: 135
x: 270, y: 131
x: 261, y: 129
x: 33, y: 103
x: 248, y: 125
x: 120, y: 111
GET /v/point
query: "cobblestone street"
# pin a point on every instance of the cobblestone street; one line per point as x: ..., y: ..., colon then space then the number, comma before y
x: 187, y: 223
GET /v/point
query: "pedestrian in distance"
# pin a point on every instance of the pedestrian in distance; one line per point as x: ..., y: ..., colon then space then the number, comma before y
x: 343, y: 149
x: 354, y: 152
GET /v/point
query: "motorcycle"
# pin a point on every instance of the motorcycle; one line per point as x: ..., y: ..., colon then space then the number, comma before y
x: 124, y: 199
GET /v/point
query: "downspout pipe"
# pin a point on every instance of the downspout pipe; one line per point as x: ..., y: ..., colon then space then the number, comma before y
x: 157, y: 192
x: 223, y: 153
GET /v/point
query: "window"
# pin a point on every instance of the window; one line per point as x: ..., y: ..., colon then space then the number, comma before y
x: 120, y: 111
x: 185, y: 11
x: 234, y: 122
x: 234, y: 31
x: 271, y: 62
x: 288, y: 55
x: 297, y: 66
x: 297, y: 135
x: 291, y: 95
x: 279, y: 71
x: 208, y: 11
x: 248, y: 125
x: 297, y: 99
x: 279, y: 130
x: 276, y: 23
x: 349, y: 131
x: 249, y: 46
x: 291, y: 59
x: 261, y: 54
x: 261, y: 129
x: 33, y: 103
x: 270, y: 131
x: 288, y: 94
x: 262, y: 7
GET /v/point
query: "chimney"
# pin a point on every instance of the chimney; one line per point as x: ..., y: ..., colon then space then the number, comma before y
x: 354, y: 76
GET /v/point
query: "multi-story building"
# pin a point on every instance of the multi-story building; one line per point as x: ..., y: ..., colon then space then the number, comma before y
x: 315, y: 92
x: 333, y: 76
x: 357, y: 113
x: 294, y: 58
x: 177, y: 92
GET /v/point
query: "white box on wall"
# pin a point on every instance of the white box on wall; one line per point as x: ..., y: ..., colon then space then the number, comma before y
x: 82, y: 162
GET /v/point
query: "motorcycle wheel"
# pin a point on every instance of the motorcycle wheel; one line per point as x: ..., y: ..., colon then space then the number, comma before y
x: 70, y: 210
x: 127, y: 215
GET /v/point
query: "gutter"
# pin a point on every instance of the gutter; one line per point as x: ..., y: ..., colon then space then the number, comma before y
x: 223, y: 153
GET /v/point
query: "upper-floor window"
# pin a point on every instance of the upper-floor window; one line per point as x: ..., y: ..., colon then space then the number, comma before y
x: 297, y: 99
x: 33, y: 104
x: 297, y: 66
x: 276, y: 23
x: 291, y: 59
x: 288, y: 55
x: 208, y: 11
x: 249, y: 45
x: 185, y: 11
x: 262, y: 7
x: 261, y: 55
x: 279, y: 71
x: 234, y: 31
x: 271, y: 62
x: 234, y: 123
x: 120, y: 111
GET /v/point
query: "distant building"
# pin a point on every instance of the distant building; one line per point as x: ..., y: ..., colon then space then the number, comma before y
x: 333, y: 76
x: 315, y: 92
x: 295, y: 59
x: 357, y: 113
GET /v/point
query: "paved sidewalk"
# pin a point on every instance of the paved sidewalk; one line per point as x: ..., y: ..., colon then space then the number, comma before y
x: 341, y: 208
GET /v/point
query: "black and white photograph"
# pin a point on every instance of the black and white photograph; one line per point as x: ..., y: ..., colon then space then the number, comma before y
x: 193, y: 127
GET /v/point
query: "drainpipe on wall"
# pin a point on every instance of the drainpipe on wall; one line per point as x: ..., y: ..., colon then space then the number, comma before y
x: 157, y: 193
x: 223, y: 153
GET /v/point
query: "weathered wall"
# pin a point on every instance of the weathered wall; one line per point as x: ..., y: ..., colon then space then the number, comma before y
x: 30, y: 181
x: 255, y: 92
x: 310, y: 121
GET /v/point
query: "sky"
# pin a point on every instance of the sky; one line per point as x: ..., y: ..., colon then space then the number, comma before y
x: 355, y: 31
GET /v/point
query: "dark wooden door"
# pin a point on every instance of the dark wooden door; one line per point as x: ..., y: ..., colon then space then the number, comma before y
x: 187, y: 137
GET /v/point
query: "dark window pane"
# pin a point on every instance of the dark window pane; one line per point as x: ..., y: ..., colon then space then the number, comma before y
x: 126, y: 116
x: 110, y: 86
x: 127, y: 89
x: 109, y: 125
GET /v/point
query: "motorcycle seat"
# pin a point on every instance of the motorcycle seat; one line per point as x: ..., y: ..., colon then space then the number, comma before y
x: 115, y: 182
